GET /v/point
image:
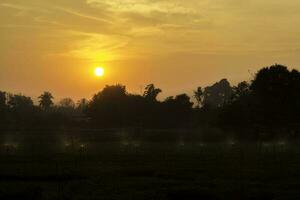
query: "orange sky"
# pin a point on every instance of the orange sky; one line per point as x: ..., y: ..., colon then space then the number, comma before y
x: 178, y: 45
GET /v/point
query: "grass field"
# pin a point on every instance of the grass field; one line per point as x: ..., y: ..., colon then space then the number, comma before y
x: 108, y: 167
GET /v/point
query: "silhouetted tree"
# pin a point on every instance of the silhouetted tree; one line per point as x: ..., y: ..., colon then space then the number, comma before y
x: 177, y: 111
x: 66, y: 111
x: 242, y: 90
x: 183, y: 100
x: 136, y: 110
x: 21, y: 109
x: 82, y: 105
x: 67, y: 103
x: 218, y: 94
x: 3, y: 108
x: 2, y: 99
x: 46, y: 100
x: 19, y: 102
x: 276, y: 98
x: 268, y: 107
x: 151, y: 92
x: 237, y: 113
x: 107, y: 107
x: 198, y: 95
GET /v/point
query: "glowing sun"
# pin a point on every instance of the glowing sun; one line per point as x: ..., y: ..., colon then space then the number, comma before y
x: 99, y: 71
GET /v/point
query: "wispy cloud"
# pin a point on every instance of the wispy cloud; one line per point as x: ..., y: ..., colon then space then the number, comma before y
x: 117, y: 27
x: 83, y: 15
x: 98, y: 47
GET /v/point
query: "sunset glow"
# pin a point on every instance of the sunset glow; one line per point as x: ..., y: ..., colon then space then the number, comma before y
x: 100, y: 99
x: 178, y: 45
x: 99, y: 71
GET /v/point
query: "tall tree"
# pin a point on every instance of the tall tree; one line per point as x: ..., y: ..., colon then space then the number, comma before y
x: 276, y: 93
x: 267, y: 108
x: 2, y: 99
x: 218, y: 94
x: 107, y: 106
x: 198, y: 95
x: 3, y: 106
x: 46, y: 100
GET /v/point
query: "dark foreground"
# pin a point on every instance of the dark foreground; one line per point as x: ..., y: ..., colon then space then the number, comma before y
x: 52, y: 166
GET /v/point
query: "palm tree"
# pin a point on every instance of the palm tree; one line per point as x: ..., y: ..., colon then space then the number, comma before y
x: 46, y: 100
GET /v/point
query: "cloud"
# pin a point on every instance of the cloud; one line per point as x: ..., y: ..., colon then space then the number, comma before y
x: 155, y: 26
x: 98, y: 47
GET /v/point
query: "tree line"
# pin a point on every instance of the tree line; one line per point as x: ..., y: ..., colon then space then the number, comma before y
x: 266, y: 107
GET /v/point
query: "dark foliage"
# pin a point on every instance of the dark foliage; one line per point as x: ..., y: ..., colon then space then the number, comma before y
x: 266, y: 108
x: 269, y: 107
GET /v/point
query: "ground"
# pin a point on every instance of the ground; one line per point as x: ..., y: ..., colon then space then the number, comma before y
x: 150, y: 170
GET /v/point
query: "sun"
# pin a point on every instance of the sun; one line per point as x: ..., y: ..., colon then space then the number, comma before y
x: 99, y: 71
